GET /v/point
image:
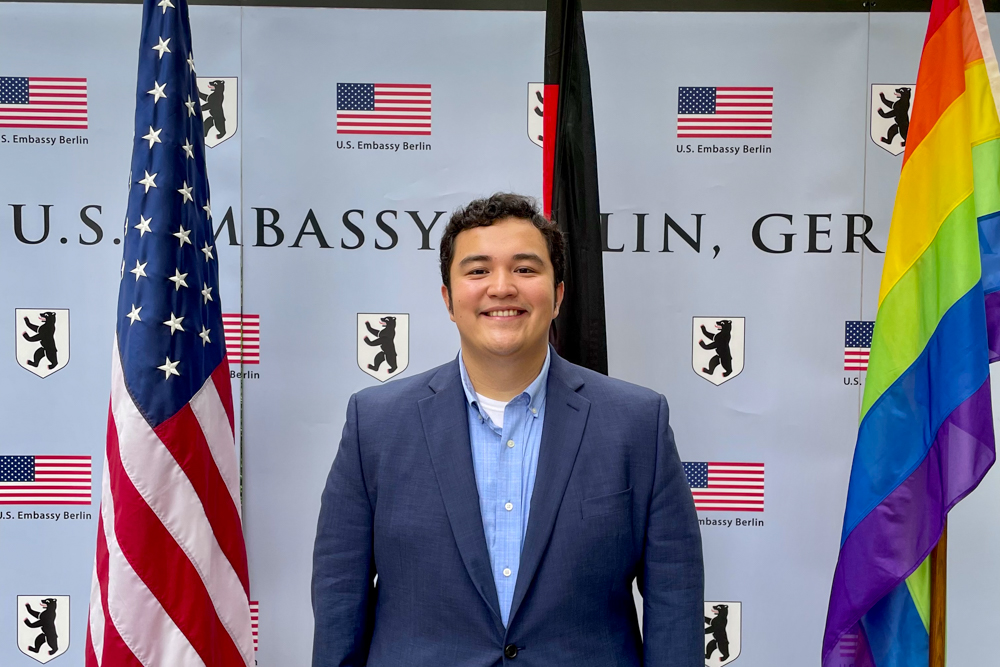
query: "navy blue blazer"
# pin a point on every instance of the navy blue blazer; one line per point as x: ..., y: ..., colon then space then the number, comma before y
x: 610, y: 504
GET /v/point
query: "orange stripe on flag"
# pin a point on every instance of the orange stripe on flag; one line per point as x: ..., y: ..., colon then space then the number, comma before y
x: 940, y: 81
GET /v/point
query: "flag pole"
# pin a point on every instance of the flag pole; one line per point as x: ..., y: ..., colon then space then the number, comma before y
x: 939, y: 589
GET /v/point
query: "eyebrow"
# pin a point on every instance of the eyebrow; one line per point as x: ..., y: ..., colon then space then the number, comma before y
x: 474, y: 258
x: 519, y: 257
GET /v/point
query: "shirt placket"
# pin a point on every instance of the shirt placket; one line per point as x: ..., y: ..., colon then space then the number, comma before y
x: 509, y: 497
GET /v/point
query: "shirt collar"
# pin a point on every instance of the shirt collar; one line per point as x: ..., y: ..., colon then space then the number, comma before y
x: 535, y: 391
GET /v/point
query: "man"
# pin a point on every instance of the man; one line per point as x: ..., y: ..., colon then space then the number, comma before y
x: 506, y: 500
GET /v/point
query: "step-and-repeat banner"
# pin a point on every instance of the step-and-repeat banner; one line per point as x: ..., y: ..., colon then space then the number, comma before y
x: 758, y: 235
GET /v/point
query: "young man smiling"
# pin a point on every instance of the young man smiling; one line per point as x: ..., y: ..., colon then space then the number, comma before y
x: 507, y: 500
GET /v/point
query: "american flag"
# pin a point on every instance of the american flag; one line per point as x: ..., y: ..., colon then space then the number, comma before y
x: 170, y: 584
x: 45, y: 480
x: 55, y: 103
x: 383, y: 108
x: 725, y: 112
x: 726, y: 486
x: 242, y: 333
x: 857, y: 344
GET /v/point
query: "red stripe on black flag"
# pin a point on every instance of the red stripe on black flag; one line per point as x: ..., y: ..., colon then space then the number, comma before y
x: 570, y: 185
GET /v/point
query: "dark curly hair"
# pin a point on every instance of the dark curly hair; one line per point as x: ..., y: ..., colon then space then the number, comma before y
x: 484, y: 212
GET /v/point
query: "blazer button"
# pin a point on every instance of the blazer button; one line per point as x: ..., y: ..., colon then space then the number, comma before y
x: 510, y: 651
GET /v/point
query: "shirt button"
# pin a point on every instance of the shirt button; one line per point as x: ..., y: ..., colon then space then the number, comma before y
x: 509, y: 506
x: 506, y: 572
x: 534, y: 411
x: 510, y: 443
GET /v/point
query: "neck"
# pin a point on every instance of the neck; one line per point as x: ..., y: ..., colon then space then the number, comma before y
x: 503, y: 378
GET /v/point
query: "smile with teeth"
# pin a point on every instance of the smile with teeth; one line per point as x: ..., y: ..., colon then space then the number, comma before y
x: 512, y: 312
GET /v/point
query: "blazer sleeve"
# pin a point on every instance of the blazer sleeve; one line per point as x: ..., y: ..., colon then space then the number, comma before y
x: 343, y: 592
x: 672, y: 577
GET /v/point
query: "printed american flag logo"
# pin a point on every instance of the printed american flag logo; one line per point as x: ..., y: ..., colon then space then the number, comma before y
x: 849, y: 645
x: 726, y: 486
x: 383, y: 108
x: 254, y: 620
x: 43, y: 102
x: 857, y: 344
x: 45, y: 480
x: 242, y: 332
x: 725, y: 112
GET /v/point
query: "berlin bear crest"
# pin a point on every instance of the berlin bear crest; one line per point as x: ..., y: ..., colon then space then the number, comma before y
x: 383, y: 341
x: 723, y: 636
x: 41, y: 339
x: 43, y: 628
x: 891, y: 108
x: 219, y: 98
x: 718, y: 349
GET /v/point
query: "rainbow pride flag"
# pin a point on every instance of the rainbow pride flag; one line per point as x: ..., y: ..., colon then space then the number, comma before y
x: 926, y: 434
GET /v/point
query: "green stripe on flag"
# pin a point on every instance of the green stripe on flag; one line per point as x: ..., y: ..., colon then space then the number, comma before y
x: 911, y: 311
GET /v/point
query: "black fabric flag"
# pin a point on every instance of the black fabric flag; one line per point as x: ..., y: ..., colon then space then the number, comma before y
x: 570, y: 185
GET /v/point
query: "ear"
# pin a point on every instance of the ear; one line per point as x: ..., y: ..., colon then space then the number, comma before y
x: 447, y: 302
x: 560, y: 293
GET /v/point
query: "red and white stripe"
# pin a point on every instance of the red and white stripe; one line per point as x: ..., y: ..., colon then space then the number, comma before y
x: 170, y: 580
x: 400, y: 108
x: 856, y: 358
x: 59, y: 480
x: 732, y: 486
x: 739, y: 113
x: 242, y: 333
x: 53, y: 103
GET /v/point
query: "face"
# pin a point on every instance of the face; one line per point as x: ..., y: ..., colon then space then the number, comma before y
x: 503, y: 296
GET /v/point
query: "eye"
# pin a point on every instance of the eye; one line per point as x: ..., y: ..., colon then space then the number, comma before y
x: 524, y: 269
x: 477, y: 272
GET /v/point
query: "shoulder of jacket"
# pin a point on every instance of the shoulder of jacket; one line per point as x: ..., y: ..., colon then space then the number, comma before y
x: 392, y: 392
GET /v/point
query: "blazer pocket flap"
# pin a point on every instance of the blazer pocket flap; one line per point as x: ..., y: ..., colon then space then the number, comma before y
x: 609, y: 504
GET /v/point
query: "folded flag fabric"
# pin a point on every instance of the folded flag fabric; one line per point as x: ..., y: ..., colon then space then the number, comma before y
x: 926, y: 434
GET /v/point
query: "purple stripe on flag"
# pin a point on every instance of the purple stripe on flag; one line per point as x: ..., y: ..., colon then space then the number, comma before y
x: 993, y: 325
x: 900, y: 532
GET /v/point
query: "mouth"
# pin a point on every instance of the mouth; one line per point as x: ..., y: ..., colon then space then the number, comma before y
x: 504, y: 313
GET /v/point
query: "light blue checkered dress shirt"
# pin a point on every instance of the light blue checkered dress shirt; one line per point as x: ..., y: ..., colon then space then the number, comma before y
x: 505, y: 461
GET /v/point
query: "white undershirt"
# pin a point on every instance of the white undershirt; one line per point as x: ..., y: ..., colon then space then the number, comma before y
x: 493, y: 408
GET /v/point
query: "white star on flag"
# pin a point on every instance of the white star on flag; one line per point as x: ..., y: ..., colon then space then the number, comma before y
x: 174, y: 323
x: 161, y: 48
x: 169, y: 368
x: 186, y: 192
x: 143, y: 225
x: 139, y: 270
x: 149, y: 181
x: 183, y: 235
x: 153, y: 136
x: 178, y: 279
x: 157, y: 92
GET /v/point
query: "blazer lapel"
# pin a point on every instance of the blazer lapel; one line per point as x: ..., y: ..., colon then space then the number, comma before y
x: 565, y: 418
x: 444, y: 416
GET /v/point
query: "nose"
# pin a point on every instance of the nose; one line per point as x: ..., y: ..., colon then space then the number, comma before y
x: 501, y: 286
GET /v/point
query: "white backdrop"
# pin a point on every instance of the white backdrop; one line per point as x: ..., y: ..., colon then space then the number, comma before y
x: 792, y: 408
